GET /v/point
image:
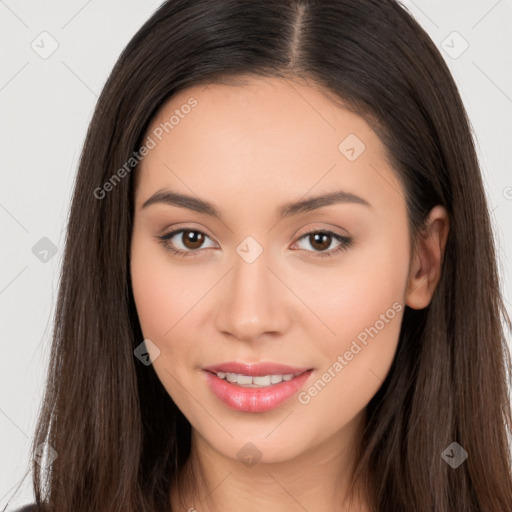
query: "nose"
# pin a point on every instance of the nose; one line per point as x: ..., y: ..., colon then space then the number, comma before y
x: 253, y: 302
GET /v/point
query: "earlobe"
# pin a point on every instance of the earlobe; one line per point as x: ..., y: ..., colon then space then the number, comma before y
x: 426, y: 265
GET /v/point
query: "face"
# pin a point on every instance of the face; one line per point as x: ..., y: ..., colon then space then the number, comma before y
x: 320, y: 287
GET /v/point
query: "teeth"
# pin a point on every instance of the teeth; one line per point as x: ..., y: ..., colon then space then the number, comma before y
x: 276, y: 379
x: 242, y: 379
x: 264, y: 380
x: 255, y: 382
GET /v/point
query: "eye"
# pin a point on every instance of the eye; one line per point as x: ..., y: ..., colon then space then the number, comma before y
x: 321, y: 240
x: 192, y: 240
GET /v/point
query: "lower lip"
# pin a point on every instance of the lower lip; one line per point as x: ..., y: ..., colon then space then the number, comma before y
x: 255, y: 399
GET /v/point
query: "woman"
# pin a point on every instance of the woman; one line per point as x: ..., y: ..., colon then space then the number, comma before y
x: 279, y: 288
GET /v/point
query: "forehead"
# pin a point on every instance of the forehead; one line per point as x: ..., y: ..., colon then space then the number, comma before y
x: 271, y: 138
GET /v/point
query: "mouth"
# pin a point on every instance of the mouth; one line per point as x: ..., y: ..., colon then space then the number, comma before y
x: 255, y: 369
x: 255, y: 388
x: 260, y: 381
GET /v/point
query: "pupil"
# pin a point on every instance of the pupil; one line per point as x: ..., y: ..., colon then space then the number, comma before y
x: 193, y: 239
x: 317, y: 237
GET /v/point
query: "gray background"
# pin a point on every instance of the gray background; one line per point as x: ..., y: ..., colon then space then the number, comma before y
x: 46, y: 102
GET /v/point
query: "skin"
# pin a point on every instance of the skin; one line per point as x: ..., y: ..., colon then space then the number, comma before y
x: 249, y: 149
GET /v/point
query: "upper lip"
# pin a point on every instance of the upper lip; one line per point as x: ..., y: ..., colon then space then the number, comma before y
x: 256, y: 370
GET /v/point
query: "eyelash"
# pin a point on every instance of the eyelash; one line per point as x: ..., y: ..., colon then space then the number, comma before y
x: 345, y: 243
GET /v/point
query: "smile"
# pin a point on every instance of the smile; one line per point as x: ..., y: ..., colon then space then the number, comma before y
x: 255, y: 393
x: 257, y: 382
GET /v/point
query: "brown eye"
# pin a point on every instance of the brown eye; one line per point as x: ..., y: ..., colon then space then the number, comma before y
x: 184, y: 242
x: 321, y: 241
x: 192, y: 239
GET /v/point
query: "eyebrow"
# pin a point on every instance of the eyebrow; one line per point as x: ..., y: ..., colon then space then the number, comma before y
x: 288, y: 210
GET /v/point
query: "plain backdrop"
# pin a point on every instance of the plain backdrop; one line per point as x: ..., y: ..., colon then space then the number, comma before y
x: 56, y: 56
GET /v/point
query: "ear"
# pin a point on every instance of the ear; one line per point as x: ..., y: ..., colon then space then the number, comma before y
x: 425, y: 268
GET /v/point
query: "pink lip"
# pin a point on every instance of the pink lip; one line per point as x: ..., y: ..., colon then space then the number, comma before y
x: 255, y: 370
x: 262, y: 399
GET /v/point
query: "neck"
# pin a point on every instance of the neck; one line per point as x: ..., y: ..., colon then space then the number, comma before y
x: 317, y: 479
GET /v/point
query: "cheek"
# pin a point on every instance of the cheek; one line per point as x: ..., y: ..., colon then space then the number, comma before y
x: 363, y: 305
x: 163, y: 291
x: 163, y: 296
x: 366, y: 283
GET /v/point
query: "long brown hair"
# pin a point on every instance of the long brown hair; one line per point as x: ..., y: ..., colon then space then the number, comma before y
x: 120, y: 439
